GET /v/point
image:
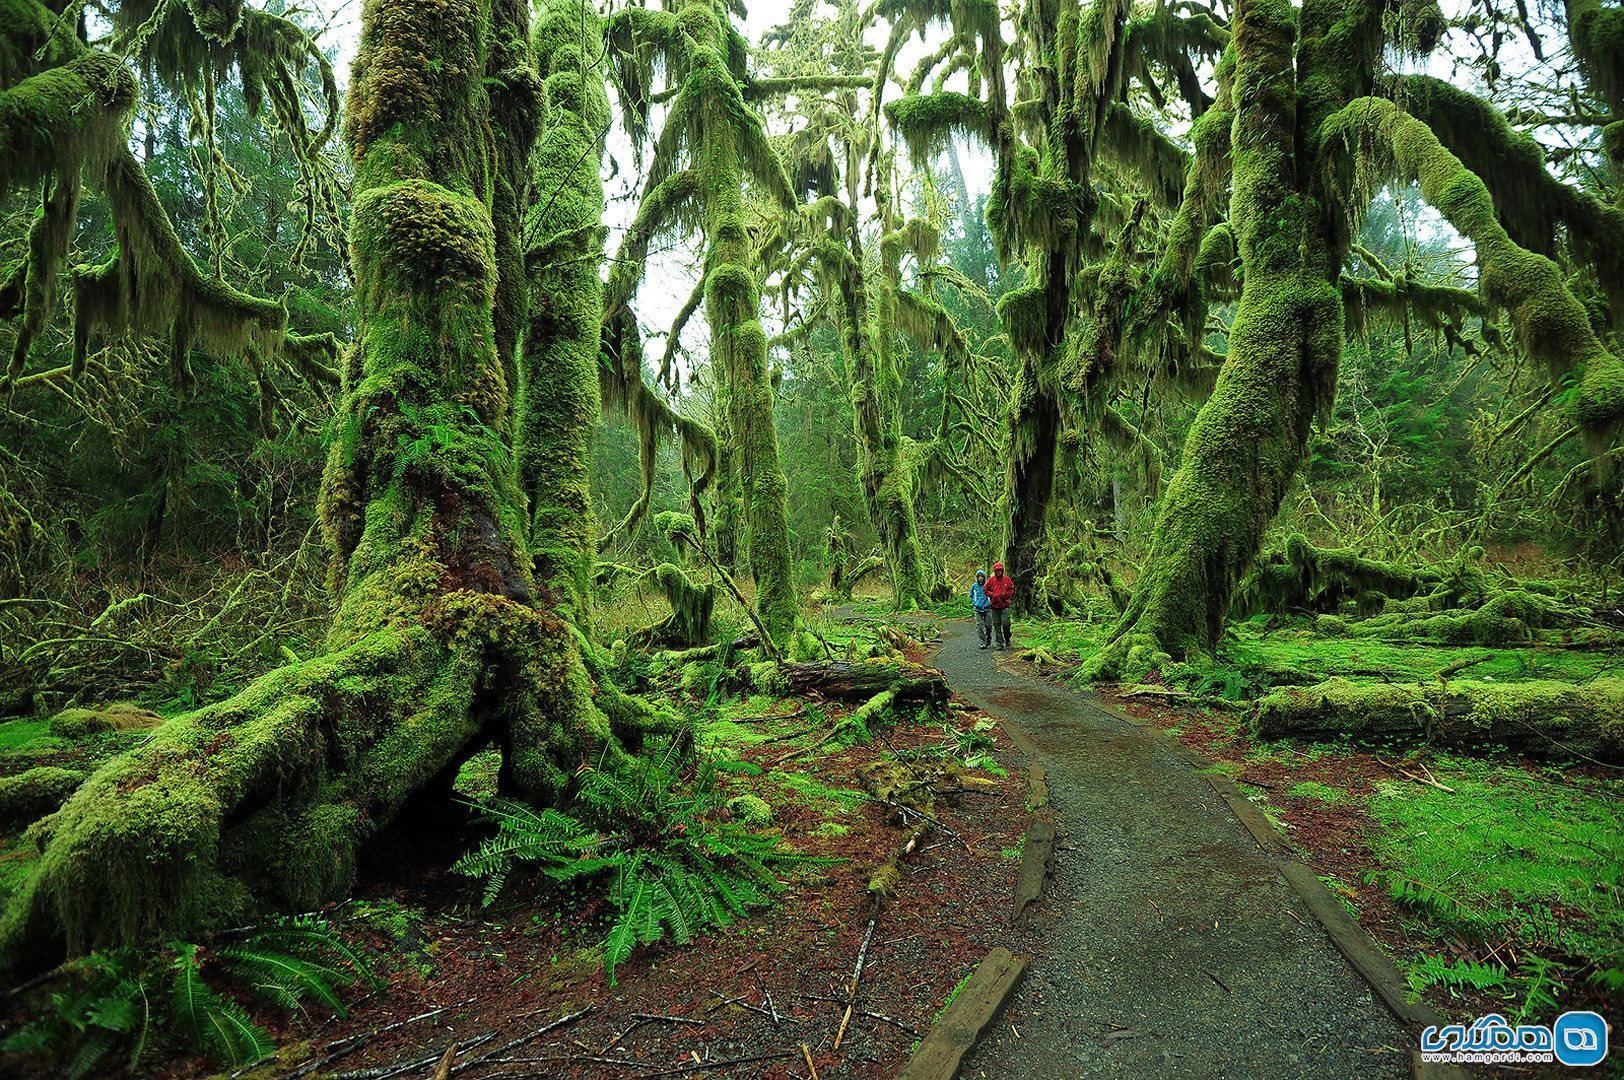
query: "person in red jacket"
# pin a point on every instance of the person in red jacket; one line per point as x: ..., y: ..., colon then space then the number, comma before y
x: 1000, y: 592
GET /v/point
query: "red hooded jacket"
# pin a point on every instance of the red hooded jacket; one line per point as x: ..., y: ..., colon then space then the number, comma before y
x: 1000, y: 590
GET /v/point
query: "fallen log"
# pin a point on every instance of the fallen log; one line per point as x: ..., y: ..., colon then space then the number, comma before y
x: 860, y: 680
x: 1540, y: 718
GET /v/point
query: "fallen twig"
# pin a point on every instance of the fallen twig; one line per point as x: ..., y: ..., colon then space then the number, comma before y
x: 743, y: 1004
x: 562, y: 1021
x: 906, y: 809
x: 893, y: 1021
x: 1429, y: 780
x: 807, y: 1055
x: 857, y: 977
x: 349, y: 1044
x: 382, y: 1072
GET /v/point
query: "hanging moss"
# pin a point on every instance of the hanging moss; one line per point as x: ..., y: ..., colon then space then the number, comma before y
x: 930, y: 123
x: 1596, y: 31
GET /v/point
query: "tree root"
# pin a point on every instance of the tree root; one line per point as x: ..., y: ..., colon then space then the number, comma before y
x: 263, y: 800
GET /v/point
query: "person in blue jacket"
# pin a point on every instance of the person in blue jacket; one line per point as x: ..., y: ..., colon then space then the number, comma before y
x: 983, y: 608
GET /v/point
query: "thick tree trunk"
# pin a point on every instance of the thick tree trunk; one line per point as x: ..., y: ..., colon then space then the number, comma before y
x: 438, y: 646
x: 868, y: 323
x: 559, y: 407
x: 1248, y: 439
x: 1034, y: 426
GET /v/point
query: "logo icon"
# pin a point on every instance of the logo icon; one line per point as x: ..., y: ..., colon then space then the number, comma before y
x: 1580, y: 1038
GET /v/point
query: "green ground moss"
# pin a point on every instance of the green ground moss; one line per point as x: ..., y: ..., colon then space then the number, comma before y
x: 1510, y: 857
x: 121, y: 716
x: 38, y: 791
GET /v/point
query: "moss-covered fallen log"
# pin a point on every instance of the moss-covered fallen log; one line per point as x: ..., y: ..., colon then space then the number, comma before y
x: 1302, y: 577
x: 1542, y: 718
x: 859, y: 680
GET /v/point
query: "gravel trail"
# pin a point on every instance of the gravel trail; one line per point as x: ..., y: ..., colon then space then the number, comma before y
x: 1173, y: 950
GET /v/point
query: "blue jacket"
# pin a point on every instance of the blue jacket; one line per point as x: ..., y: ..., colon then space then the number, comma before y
x: 978, y: 596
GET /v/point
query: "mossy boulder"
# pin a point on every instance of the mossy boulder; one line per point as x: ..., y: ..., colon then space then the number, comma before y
x: 119, y: 716
x: 29, y: 795
x: 750, y: 810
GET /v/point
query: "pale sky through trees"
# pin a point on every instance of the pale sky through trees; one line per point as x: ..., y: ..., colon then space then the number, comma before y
x: 671, y: 267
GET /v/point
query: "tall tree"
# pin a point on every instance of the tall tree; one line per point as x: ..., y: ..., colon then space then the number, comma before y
x: 1305, y: 114
x: 712, y: 140
x: 1073, y: 66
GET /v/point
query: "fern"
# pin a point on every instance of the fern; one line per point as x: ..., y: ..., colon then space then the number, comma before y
x: 104, y: 1005
x: 220, y: 1027
x: 1459, y: 974
x: 288, y: 960
x: 671, y: 866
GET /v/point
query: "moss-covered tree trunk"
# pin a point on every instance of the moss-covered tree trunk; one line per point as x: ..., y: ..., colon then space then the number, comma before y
x: 439, y: 645
x: 559, y: 404
x: 732, y: 307
x: 1250, y: 436
x: 738, y: 343
x: 886, y: 458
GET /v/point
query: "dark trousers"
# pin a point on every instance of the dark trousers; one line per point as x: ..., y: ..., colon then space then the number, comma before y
x: 1000, y: 624
x: 984, y: 626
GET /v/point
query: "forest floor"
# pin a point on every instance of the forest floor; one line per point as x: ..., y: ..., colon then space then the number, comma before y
x: 1491, y: 879
x: 770, y: 993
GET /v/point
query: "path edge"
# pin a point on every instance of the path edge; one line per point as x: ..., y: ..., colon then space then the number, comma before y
x: 955, y: 1033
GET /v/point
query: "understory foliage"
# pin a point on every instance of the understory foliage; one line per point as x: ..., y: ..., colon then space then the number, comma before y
x: 116, y: 1007
x: 667, y: 856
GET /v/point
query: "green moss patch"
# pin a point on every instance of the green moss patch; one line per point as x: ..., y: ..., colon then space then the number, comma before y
x: 1513, y: 858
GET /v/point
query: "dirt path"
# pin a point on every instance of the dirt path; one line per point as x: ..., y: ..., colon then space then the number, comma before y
x: 1173, y: 950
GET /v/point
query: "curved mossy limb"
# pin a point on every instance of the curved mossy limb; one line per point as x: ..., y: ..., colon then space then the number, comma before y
x: 65, y: 118
x: 437, y: 648
x: 1551, y: 323
x: 1541, y: 718
x: 559, y: 405
x: 1534, y: 206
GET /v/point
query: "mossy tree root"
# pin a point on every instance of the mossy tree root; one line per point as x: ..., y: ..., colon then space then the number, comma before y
x: 261, y: 802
